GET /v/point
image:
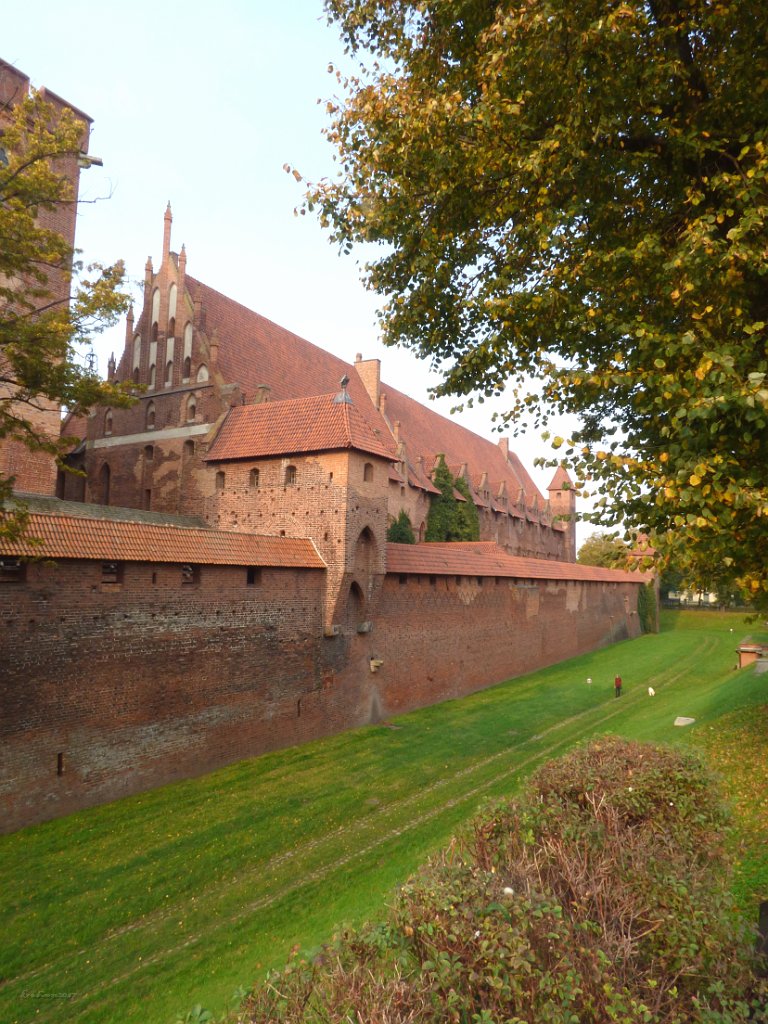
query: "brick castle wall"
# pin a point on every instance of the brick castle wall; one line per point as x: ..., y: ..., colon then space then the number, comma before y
x: 113, y: 688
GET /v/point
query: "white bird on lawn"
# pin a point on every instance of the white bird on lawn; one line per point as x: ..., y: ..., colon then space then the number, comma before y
x: 651, y: 692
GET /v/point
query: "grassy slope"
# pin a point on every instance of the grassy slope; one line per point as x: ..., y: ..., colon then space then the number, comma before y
x: 140, y: 908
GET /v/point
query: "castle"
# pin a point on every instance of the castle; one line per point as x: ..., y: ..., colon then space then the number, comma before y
x: 218, y: 582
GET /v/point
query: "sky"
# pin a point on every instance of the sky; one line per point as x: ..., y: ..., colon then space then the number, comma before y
x: 202, y: 106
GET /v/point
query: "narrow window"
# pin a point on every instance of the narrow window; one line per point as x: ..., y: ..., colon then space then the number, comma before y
x: 149, y: 452
x: 108, y: 421
x: 154, y: 331
x: 12, y: 570
x: 104, y: 483
x: 403, y: 579
x: 368, y: 472
x: 188, y: 449
x: 152, y: 375
x: 254, y: 478
x: 111, y: 572
x: 136, y: 375
x: 290, y: 476
x: 187, y: 368
x: 60, y: 764
x: 147, y: 498
x: 172, y: 327
x: 150, y: 416
x: 253, y: 576
x: 190, y: 574
x: 433, y: 581
x: 191, y: 408
x: 169, y: 373
x: 220, y: 478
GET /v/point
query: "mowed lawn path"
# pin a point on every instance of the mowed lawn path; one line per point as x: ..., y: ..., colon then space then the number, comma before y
x: 137, y: 910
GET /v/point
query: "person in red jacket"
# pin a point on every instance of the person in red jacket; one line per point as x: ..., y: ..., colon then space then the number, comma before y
x: 617, y: 685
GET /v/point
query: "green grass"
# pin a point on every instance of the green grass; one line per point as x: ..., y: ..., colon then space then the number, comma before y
x: 137, y: 910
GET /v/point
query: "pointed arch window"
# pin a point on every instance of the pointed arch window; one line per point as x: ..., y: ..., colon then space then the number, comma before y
x: 254, y: 478
x: 152, y: 375
x: 169, y: 373
x: 202, y: 374
x: 290, y: 476
x: 187, y: 368
x: 191, y: 408
x: 150, y: 416
x: 108, y: 421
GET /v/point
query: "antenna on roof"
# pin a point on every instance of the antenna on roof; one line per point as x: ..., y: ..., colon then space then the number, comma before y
x: 343, y: 398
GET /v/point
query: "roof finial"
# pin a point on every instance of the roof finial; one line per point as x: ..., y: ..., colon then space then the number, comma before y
x: 343, y: 398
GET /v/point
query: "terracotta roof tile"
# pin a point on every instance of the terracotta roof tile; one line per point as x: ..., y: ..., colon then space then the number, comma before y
x: 560, y: 480
x: 113, y: 540
x: 255, y: 351
x: 313, y: 424
x: 484, y: 558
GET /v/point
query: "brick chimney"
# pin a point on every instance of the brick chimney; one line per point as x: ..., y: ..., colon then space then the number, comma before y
x: 369, y: 372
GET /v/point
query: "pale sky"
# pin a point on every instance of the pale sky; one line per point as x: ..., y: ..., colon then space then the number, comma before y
x: 202, y: 105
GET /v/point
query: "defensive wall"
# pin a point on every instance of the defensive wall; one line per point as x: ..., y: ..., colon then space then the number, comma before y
x: 118, y: 674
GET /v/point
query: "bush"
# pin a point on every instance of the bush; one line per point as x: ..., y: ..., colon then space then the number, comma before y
x: 646, y: 608
x: 401, y: 530
x: 600, y: 896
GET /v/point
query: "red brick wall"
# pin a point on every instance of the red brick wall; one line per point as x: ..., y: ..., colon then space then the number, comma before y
x: 445, y: 638
x: 144, y: 682
x: 149, y: 680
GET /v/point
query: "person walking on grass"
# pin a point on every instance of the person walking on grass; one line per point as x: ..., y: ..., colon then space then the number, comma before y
x: 617, y: 685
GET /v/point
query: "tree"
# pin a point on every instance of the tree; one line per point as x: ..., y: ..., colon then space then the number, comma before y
x: 401, y: 530
x: 578, y: 193
x: 603, y: 549
x: 441, y: 520
x: 43, y: 326
x: 467, y: 520
x: 450, y: 519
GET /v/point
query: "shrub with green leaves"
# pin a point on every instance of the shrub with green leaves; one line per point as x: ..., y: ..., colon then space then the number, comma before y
x: 646, y: 608
x: 599, y: 896
x: 401, y: 530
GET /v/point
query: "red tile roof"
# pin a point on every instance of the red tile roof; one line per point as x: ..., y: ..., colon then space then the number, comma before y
x: 484, y: 558
x: 255, y: 351
x: 298, y: 425
x: 114, y: 540
x: 561, y: 480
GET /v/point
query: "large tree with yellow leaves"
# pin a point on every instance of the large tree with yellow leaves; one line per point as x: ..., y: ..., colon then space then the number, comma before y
x: 576, y: 192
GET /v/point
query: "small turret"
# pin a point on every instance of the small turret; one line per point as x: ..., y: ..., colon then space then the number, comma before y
x: 167, y: 222
x: 562, y: 502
